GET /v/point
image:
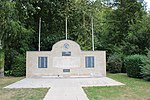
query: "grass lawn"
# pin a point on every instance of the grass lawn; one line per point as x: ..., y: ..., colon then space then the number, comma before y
x: 19, y: 94
x: 135, y: 89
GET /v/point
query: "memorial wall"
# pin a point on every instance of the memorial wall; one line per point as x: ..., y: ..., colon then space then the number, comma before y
x: 66, y: 59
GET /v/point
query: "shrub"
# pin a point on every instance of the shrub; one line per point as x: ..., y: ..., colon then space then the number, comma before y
x: 115, y: 63
x: 10, y: 55
x: 8, y: 73
x: 133, y: 65
x: 146, y: 72
x: 146, y: 68
x: 19, y: 66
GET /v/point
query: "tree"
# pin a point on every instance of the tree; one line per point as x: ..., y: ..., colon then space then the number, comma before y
x: 1, y: 62
x: 118, y: 22
x: 139, y: 37
x: 6, y: 12
x: 13, y: 34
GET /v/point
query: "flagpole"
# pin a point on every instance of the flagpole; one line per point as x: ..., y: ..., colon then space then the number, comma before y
x: 39, y: 32
x: 66, y: 29
x: 92, y: 33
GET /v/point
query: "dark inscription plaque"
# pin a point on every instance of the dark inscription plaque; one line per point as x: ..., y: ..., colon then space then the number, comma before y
x: 66, y: 53
x: 66, y: 70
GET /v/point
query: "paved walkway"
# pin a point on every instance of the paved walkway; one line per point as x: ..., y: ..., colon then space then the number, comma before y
x: 64, y: 88
x: 66, y: 93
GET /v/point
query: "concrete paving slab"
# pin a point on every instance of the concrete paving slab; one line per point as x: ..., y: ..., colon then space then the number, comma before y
x: 63, y: 93
x: 31, y: 83
x: 64, y: 88
x: 65, y: 82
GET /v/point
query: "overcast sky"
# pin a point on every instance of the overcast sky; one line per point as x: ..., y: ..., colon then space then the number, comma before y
x: 148, y: 3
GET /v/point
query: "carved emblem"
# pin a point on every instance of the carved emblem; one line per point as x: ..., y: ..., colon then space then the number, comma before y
x: 66, y: 46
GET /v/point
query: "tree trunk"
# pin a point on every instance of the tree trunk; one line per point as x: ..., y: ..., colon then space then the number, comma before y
x: 84, y: 19
x: 2, y: 62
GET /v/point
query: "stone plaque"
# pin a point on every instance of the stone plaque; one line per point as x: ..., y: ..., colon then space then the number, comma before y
x: 66, y: 70
x: 66, y: 53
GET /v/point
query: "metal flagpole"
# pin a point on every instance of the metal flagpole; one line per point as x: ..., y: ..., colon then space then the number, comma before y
x: 92, y: 34
x: 66, y: 29
x: 39, y: 32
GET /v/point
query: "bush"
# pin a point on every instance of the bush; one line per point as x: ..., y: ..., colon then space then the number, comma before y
x: 146, y: 68
x: 10, y: 55
x: 19, y: 66
x: 8, y: 73
x: 115, y: 63
x: 146, y: 72
x: 133, y: 65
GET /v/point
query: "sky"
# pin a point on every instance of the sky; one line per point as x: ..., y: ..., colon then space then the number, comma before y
x: 148, y: 4
x: 147, y: 1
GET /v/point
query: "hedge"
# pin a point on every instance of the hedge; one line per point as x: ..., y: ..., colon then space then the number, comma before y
x: 134, y: 64
x: 114, y: 63
x: 146, y: 68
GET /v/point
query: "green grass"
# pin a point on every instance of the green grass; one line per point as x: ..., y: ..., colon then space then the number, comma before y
x: 19, y: 94
x: 135, y: 89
